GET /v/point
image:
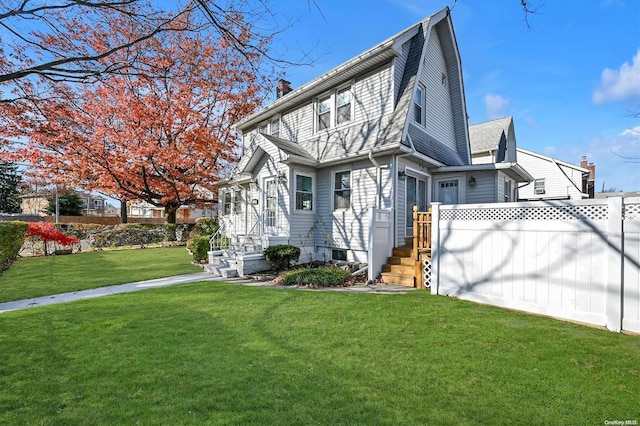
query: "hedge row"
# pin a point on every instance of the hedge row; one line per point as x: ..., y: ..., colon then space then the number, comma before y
x: 11, y: 240
x: 126, y: 234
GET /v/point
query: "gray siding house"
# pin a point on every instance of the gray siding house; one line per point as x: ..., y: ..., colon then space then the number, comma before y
x: 385, y: 130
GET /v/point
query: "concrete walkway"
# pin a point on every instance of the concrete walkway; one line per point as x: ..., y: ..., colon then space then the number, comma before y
x: 181, y: 279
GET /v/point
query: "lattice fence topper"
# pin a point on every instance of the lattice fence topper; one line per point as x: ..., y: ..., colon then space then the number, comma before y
x: 631, y: 212
x: 427, y: 272
x: 383, y: 216
x: 586, y: 212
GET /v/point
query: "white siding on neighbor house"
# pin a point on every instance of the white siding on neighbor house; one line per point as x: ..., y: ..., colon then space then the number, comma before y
x: 484, y: 158
x: 556, y: 184
x: 439, y: 114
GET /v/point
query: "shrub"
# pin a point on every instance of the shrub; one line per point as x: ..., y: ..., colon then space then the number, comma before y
x: 170, y: 231
x: 11, y: 240
x: 129, y: 235
x: 82, y: 231
x: 325, y: 276
x: 204, y: 227
x: 280, y: 256
x: 199, y: 247
x: 49, y: 233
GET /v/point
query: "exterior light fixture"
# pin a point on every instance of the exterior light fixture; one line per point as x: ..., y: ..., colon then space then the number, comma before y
x: 472, y: 181
x: 402, y: 175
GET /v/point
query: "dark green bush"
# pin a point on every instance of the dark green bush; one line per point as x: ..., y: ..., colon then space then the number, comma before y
x: 280, y: 256
x: 11, y: 240
x: 204, y: 227
x: 129, y: 235
x: 170, y: 231
x: 325, y: 276
x: 199, y: 247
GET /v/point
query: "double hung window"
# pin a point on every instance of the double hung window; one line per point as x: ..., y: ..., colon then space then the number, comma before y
x: 334, y: 109
x: 304, y: 192
x: 342, y: 190
x: 324, y: 113
x: 226, y: 206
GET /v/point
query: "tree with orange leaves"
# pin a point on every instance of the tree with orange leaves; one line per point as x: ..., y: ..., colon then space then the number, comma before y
x: 158, y: 132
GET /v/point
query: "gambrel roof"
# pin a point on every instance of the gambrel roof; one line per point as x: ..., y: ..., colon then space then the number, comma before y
x: 404, y: 55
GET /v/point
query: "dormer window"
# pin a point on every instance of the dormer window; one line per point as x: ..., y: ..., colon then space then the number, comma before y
x: 418, y: 104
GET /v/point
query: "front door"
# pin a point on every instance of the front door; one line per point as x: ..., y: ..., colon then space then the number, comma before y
x: 416, y: 195
x: 271, y: 204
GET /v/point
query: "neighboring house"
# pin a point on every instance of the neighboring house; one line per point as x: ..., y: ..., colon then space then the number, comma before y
x: 386, y: 130
x: 96, y: 205
x: 143, y: 209
x: 554, y: 179
x: 34, y: 204
x: 92, y: 205
x: 494, y: 142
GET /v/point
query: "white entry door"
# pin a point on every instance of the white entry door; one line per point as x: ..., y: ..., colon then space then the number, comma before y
x: 270, y: 206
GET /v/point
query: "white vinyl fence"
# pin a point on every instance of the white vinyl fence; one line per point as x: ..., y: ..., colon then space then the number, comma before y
x: 577, y: 260
x: 380, y: 238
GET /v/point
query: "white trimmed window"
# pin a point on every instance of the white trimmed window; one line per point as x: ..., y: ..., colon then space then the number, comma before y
x: 418, y: 105
x: 264, y: 128
x: 538, y: 186
x: 324, y: 113
x: 343, y: 106
x: 304, y: 192
x: 342, y: 190
x: 334, y: 109
x: 226, y: 203
x: 237, y: 201
x: 275, y: 127
x: 507, y: 190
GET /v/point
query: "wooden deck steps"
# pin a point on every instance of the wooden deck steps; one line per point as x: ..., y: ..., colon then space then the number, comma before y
x: 400, y: 268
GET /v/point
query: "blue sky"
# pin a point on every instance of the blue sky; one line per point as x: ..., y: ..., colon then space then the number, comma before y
x: 570, y: 80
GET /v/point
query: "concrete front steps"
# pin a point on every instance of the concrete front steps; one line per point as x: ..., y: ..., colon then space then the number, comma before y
x: 221, y: 265
x: 400, y: 269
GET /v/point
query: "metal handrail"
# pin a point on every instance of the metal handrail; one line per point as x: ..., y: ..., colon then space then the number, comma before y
x: 218, y: 241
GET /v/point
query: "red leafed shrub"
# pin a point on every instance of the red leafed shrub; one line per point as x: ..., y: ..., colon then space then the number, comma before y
x: 48, y: 233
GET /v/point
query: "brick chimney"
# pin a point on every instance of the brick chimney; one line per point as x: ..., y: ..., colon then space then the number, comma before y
x: 283, y: 88
x: 588, y: 182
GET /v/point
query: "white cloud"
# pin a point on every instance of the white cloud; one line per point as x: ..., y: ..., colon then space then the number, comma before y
x: 496, y: 105
x: 616, y: 159
x: 633, y: 132
x: 617, y: 85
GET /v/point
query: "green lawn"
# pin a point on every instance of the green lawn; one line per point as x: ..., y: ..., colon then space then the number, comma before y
x: 216, y: 353
x: 41, y: 276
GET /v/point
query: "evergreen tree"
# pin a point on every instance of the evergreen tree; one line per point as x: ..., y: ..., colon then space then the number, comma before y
x: 69, y: 204
x: 9, y: 188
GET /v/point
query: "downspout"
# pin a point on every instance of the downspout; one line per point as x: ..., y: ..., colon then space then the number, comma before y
x: 378, y: 179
